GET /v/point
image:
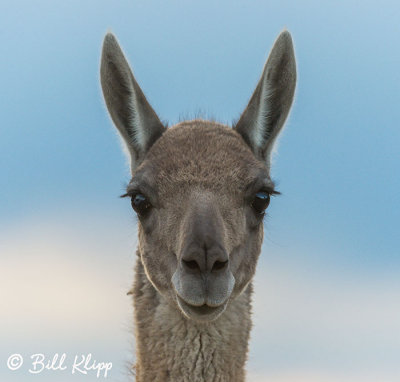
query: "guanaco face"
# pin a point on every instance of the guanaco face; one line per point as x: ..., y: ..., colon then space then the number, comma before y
x: 200, y: 189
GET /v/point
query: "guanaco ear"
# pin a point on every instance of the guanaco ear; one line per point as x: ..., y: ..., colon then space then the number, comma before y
x: 133, y: 116
x: 270, y: 103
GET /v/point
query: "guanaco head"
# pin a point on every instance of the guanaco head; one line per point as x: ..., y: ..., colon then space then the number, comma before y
x: 200, y: 189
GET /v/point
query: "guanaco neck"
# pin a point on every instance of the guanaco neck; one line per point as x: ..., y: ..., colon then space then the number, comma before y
x: 171, y: 348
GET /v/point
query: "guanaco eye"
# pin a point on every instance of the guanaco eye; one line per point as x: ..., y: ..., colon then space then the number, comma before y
x: 261, y: 202
x: 140, y: 204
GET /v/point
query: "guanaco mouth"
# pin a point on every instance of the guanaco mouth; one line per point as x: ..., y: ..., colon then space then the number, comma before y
x: 206, y: 311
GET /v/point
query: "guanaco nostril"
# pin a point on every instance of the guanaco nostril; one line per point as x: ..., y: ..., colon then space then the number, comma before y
x: 218, y: 265
x: 191, y: 264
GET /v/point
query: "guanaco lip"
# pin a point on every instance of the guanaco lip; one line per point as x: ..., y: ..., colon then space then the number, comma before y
x: 205, y: 311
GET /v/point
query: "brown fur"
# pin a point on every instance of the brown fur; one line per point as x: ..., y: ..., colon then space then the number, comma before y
x: 171, y: 348
x: 184, y: 350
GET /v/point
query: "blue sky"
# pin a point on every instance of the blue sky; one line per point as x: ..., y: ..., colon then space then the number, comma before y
x: 336, y: 226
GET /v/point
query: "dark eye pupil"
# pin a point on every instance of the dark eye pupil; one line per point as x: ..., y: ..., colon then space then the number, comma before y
x: 140, y: 204
x: 138, y: 199
x: 261, y: 202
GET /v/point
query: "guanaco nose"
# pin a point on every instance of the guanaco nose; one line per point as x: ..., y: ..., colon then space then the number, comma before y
x: 205, y: 257
x: 203, y: 250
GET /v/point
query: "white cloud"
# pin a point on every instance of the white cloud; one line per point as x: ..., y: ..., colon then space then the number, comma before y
x: 60, y: 275
x: 326, y: 321
x: 302, y: 376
